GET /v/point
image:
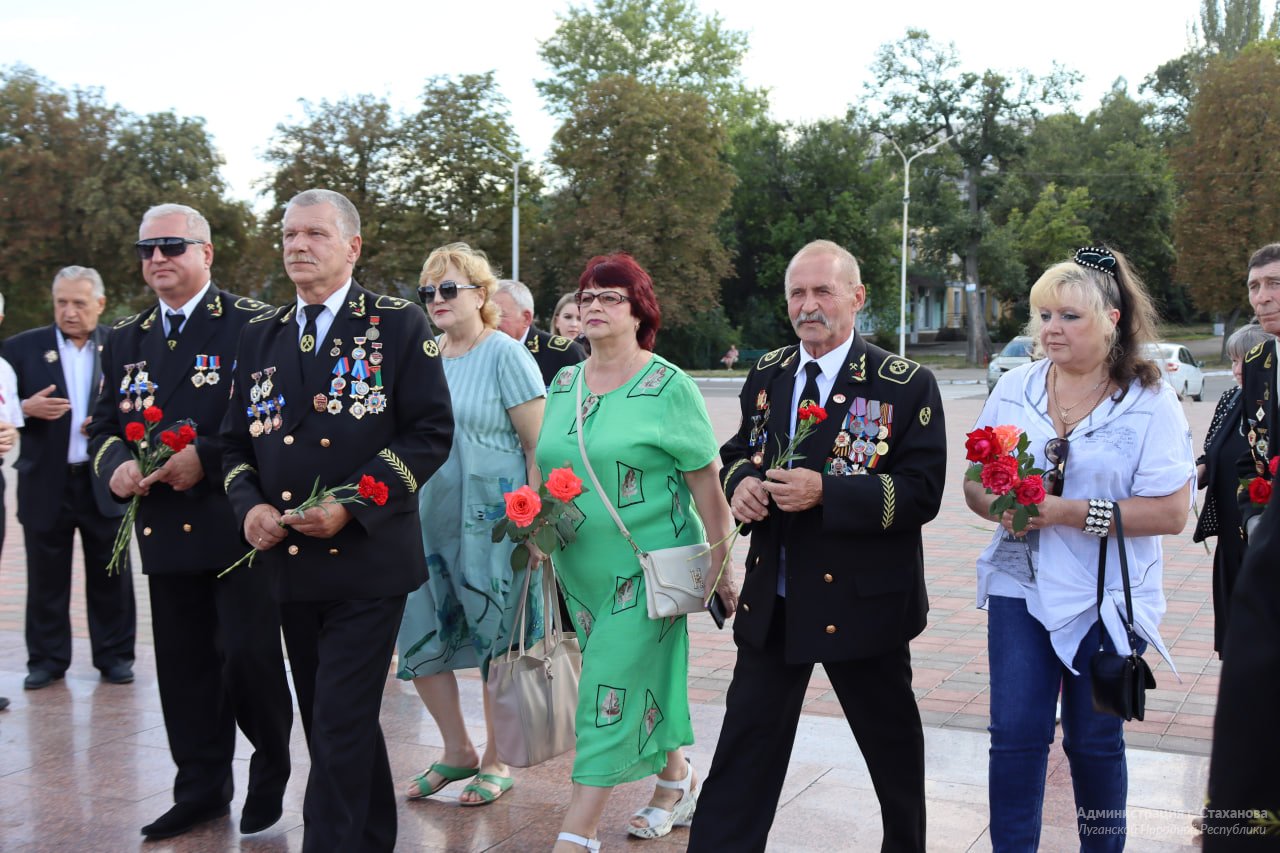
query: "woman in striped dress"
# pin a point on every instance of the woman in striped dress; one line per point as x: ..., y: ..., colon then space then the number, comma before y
x: 462, y: 616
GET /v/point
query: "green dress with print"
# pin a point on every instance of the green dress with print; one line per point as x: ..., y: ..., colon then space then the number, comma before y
x: 633, y: 701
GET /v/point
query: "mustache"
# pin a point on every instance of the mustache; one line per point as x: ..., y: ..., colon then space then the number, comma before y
x: 299, y: 258
x: 811, y: 317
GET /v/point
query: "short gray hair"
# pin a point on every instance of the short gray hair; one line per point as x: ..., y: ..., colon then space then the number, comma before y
x: 74, y: 273
x: 348, y: 216
x: 196, y: 223
x: 1246, y: 338
x: 846, y: 263
x: 518, y: 292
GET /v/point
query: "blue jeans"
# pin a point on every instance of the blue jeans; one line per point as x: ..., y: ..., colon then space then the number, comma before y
x: 1025, y: 677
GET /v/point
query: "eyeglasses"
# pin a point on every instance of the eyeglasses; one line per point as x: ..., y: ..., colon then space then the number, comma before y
x: 170, y: 247
x: 447, y: 290
x: 608, y: 298
x: 1056, y: 450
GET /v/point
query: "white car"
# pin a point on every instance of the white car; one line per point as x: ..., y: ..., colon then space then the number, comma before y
x: 1179, y: 369
x: 1015, y: 353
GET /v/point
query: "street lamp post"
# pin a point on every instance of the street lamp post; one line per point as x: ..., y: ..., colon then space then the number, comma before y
x: 906, y: 201
x: 515, y: 205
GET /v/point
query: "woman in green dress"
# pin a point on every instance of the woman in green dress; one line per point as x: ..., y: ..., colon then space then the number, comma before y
x: 462, y: 616
x: 649, y: 440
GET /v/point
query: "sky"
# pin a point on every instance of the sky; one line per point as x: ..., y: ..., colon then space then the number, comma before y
x: 246, y: 66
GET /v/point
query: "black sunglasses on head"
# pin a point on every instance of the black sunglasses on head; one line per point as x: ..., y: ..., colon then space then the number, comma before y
x: 1056, y: 450
x: 170, y: 247
x: 447, y: 290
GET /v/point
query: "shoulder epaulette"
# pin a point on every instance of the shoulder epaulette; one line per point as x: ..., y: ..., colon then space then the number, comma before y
x: 391, y: 303
x: 771, y: 358
x: 897, y: 369
x: 120, y: 324
x: 559, y: 342
x: 1255, y: 352
x: 271, y: 313
x: 245, y: 303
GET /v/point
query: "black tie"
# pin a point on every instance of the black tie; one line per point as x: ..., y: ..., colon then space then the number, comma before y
x: 308, y: 342
x: 809, y: 396
x: 175, y: 328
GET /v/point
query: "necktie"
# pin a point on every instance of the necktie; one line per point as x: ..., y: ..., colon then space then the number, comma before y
x: 308, y: 341
x: 175, y: 327
x: 809, y: 396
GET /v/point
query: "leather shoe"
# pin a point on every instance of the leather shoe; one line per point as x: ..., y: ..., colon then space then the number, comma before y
x: 183, y: 817
x: 259, y: 813
x: 38, y: 678
x: 4, y: 703
x: 121, y: 673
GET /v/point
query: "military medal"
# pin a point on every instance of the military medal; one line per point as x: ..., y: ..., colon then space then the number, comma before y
x: 212, y: 377
x: 762, y: 401
x: 372, y: 332
x: 359, y: 352
x: 267, y: 384
x: 255, y: 391
x: 318, y: 402
x: 202, y: 364
x: 337, y: 348
x: 375, y: 357
x: 357, y: 410
x: 255, y: 427
x: 277, y: 420
x: 334, y: 406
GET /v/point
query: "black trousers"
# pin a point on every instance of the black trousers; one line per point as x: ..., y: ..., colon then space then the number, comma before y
x: 219, y: 663
x: 339, y: 653
x: 108, y: 598
x: 740, y: 795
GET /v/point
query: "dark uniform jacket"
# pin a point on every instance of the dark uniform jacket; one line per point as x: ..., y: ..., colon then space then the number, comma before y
x: 552, y: 352
x: 400, y: 432
x: 854, y: 563
x: 1260, y: 412
x: 176, y: 531
x: 42, y: 460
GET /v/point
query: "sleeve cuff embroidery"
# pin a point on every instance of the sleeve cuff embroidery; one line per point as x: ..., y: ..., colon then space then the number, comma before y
x: 236, y: 472
x: 400, y: 468
x: 890, y: 501
x: 97, y: 460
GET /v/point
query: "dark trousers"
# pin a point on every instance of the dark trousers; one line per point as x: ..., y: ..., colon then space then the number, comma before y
x: 339, y: 653
x: 219, y: 663
x: 108, y: 598
x: 740, y: 795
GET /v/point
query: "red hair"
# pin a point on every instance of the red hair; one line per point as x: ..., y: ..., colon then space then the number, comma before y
x: 621, y: 270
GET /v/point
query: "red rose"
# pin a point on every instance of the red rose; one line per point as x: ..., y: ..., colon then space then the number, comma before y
x: 152, y: 414
x: 982, y: 445
x: 523, y: 506
x: 1275, y: 463
x: 1259, y: 490
x: 1031, y: 490
x: 169, y: 439
x: 134, y: 431
x: 1000, y: 475
x: 187, y: 434
x: 563, y: 484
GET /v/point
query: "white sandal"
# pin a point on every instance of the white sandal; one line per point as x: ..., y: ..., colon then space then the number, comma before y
x: 660, y: 821
x: 590, y: 844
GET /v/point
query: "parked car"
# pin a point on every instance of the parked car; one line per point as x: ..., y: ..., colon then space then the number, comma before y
x: 1016, y: 352
x: 1179, y: 369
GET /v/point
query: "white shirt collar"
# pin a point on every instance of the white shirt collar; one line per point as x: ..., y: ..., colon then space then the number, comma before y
x: 333, y: 303
x: 189, y: 307
x: 64, y: 342
x: 830, y: 363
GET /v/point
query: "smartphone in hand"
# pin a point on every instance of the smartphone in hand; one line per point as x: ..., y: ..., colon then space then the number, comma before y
x: 716, y: 609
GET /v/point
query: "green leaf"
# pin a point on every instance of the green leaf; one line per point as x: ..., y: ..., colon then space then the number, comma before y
x: 545, y: 539
x: 499, y: 530
x: 1023, y: 441
x: 973, y: 473
x: 520, y: 557
x: 564, y: 527
x: 1020, y: 519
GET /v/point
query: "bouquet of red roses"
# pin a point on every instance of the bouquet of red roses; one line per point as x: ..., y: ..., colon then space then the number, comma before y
x: 367, y: 489
x: 1259, y: 488
x: 1007, y: 470
x: 546, y: 515
x: 150, y: 455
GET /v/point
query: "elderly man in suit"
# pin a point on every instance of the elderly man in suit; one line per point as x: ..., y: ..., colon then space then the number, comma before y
x: 217, y: 641
x: 834, y: 573
x: 340, y: 385
x: 551, y: 352
x: 59, y: 372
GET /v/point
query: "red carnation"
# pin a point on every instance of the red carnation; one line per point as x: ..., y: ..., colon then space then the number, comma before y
x: 803, y: 413
x: 818, y: 413
x: 1000, y: 475
x: 169, y: 439
x: 1275, y: 463
x: 134, y: 431
x: 1259, y: 490
x: 373, y: 490
x: 982, y: 445
x: 380, y: 494
x: 187, y: 434
x: 1031, y: 491
x: 152, y: 414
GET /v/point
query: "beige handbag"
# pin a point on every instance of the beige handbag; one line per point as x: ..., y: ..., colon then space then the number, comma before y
x: 672, y: 576
x: 533, y: 692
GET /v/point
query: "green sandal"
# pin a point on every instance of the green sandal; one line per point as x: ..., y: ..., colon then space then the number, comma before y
x: 448, y: 774
x: 503, y: 784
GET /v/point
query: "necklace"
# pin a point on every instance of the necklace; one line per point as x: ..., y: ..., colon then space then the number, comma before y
x: 474, y: 341
x: 1064, y: 413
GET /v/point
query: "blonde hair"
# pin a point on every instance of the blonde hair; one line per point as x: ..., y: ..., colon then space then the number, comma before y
x: 472, y: 263
x: 555, y: 315
x: 1097, y: 293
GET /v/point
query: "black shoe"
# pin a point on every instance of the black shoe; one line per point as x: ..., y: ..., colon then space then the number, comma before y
x: 259, y: 813
x: 38, y: 678
x: 121, y: 673
x: 183, y: 817
x: 4, y: 703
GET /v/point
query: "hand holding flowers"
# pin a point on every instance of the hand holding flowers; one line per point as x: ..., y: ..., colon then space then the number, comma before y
x: 1005, y: 469
x: 149, y: 455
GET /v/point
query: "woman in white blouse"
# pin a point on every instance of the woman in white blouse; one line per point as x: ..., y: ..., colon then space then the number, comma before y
x: 1104, y: 426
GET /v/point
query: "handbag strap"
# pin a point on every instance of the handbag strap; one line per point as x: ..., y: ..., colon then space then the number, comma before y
x: 582, y: 448
x: 555, y: 634
x: 1124, y: 573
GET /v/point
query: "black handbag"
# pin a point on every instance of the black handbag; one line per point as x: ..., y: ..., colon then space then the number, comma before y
x: 1120, y: 682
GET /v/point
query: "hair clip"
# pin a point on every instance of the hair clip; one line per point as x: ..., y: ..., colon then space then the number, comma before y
x: 1097, y: 258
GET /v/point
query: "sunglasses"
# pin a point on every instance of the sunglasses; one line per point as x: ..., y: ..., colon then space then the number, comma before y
x: 447, y: 290
x: 170, y: 247
x: 607, y: 298
x: 1056, y: 450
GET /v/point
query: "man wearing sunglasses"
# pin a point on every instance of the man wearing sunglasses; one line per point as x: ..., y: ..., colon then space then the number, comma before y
x: 339, y: 384
x: 551, y: 352
x: 217, y: 641
x: 58, y: 368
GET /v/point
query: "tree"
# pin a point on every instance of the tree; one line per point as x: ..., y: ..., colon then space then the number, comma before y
x: 1227, y: 171
x: 665, y: 43
x: 925, y: 96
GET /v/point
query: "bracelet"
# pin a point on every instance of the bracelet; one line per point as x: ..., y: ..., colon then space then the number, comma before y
x: 1098, y: 521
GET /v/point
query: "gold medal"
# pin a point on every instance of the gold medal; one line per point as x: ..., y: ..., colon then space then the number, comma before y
x: 255, y: 429
x: 882, y: 448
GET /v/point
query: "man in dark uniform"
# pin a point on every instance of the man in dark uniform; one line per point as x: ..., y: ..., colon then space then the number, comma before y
x: 218, y: 655
x: 551, y: 352
x: 834, y: 572
x: 341, y: 384
x: 59, y: 371
x: 1244, y: 784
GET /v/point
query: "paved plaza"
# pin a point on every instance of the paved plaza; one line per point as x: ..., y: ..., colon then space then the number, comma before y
x: 84, y: 764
